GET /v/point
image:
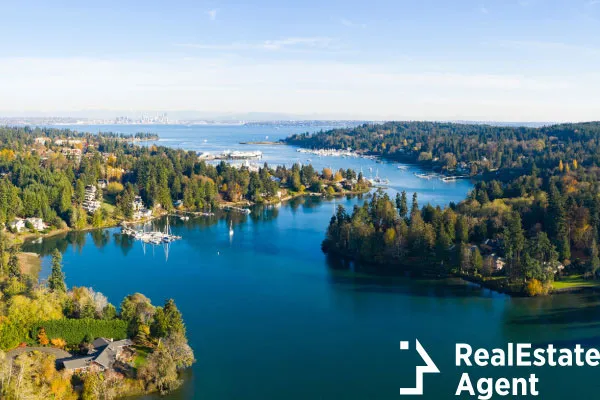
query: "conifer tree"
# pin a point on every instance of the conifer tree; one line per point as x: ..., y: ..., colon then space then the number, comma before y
x: 56, y: 281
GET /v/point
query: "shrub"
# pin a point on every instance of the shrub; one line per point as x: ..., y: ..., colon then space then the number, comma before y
x: 73, y: 331
x: 114, y: 188
x: 536, y: 288
x: 58, y: 343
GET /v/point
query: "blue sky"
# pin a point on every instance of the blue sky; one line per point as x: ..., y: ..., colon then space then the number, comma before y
x: 513, y: 60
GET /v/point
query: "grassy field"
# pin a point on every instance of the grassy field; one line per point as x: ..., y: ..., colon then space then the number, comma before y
x: 574, y: 282
x: 140, y: 356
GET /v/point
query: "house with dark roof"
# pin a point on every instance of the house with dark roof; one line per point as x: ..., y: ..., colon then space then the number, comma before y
x: 103, y: 354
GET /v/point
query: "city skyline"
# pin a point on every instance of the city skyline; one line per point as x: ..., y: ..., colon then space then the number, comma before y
x: 482, y: 61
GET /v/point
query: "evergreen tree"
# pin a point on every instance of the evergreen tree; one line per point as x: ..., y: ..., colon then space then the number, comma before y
x: 477, y: 261
x: 514, y: 242
x: 402, y: 204
x: 2, y: 253
x: 594, y: 260
x: 415, y: 206
x: 174, y: 318
x: 14, y: 267
x: 56, y: 281
x: 557, y: 223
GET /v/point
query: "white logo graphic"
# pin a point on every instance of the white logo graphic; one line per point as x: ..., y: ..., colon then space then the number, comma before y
x: 428, y: 368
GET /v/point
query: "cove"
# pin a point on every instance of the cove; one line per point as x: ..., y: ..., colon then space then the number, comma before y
x: 269, y: 317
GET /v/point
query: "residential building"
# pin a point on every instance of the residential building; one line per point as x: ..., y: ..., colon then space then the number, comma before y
x: 90, y: 202
x: 139, y: 209
x: 72, y: 154
x: 37, y: 223
x: 20, y: 224
x: 104, y: 353
x: 17, y: 225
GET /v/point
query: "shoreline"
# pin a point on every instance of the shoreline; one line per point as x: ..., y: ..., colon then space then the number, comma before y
x: 35, y: 236
x: 266, y: 143
x: 409, y: 160
x: 499, y: 285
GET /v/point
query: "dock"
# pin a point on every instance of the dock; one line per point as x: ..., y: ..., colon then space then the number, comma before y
x: 150, y: 237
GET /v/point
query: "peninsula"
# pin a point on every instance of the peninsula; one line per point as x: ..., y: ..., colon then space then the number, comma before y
x: 531, y: 224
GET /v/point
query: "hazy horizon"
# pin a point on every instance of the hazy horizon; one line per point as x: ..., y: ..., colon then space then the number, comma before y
x: 505, y: 61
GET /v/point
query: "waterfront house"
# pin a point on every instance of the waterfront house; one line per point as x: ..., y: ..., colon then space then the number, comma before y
x: 20, y: 224
x: 104, y: 353
x: 37, y: 223
x: 17, y: 225
x: 139, y: 209
x: 497, y: 262
x: 90, y: 203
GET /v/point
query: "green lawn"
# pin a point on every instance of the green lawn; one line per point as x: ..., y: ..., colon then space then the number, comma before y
x: 140, y: 356
x: 574, y: 281
x: 108, y: 207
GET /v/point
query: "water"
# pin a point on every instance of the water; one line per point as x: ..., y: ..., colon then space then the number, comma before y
x: 270, y: 317
x: 218, y: 138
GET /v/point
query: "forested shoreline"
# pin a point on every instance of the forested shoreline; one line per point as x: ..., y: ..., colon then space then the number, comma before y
x: 54, y: 339
x: 49, y: 174
x: 530, y: 225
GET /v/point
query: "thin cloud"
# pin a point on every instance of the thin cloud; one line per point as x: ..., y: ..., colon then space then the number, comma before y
x: 554, y: 47
x: 311, y: 42
x: 352, y: 24
x: 298, y: 86
x: 212, y: 14
x: 484, y: 10
x: 290, y: 44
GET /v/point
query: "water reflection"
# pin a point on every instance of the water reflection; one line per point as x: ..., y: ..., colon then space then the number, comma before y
x: 100, y: 237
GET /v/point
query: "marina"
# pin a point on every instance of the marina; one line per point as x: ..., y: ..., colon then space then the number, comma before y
x: 231, y: 155
x: 151, y: 237
x: 451, y: 178
x: 330, y: 152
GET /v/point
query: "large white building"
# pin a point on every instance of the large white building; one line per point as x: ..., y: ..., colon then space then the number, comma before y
x: 90, y: 202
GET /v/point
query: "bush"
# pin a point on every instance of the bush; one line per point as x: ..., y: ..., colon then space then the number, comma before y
x: 536, y: 288
x: 114, y: 188
x: 73, y: 331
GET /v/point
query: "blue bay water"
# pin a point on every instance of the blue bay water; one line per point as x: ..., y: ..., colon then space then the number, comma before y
x: 270, y: 317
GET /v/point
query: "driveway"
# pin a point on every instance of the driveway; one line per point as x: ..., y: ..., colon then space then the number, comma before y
x: 58, y: 353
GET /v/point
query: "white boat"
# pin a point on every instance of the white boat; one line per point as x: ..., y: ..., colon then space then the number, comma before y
x: 230, y: 229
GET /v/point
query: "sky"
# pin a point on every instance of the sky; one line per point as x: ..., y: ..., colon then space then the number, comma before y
x: 509, y: 60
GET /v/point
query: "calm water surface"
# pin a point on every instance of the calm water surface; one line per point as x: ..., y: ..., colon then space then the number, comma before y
x: 269, y: 317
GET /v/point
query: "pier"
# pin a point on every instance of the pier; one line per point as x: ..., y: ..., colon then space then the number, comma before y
x: 151, y: 237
